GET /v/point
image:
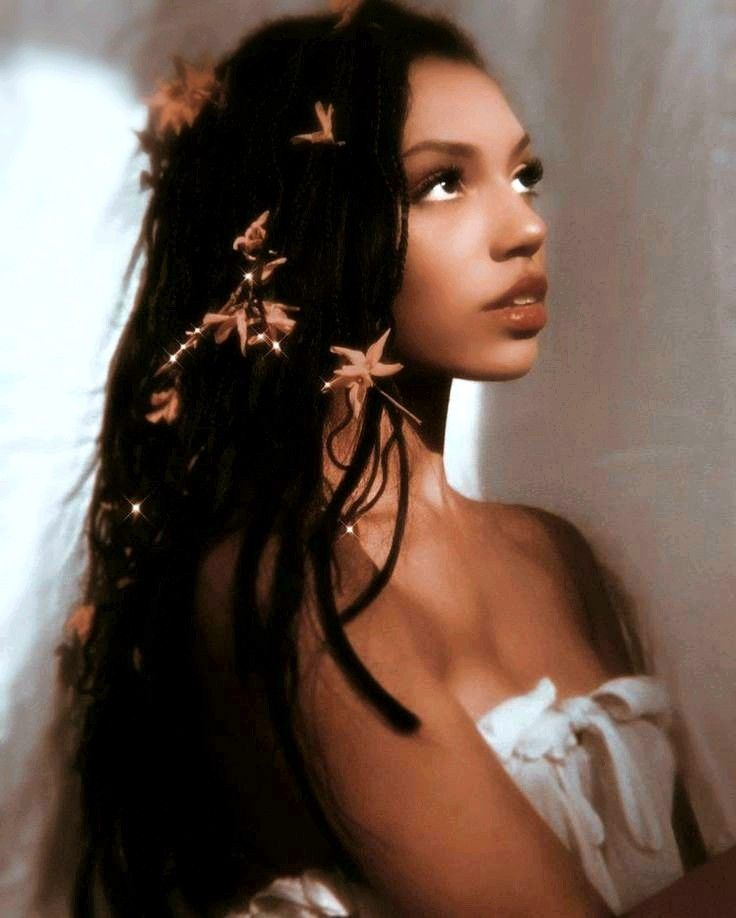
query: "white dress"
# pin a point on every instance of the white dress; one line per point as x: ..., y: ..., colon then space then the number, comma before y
x: 598, y: 768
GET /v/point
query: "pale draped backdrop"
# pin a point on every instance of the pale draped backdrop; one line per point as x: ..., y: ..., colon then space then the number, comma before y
x: 626, y: 426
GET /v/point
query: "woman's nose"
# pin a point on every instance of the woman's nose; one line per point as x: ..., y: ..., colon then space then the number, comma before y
x: 517, y: 229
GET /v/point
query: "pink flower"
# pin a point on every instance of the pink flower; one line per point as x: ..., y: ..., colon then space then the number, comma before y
x: 276, y: 320
x: 80, y: 622
x: 357, y: 375
x: 178, y: 102
x: 324, y: 135
x: 254, y: 237
x: 348, y: 8
x: 270, y: 266
x: 227, y: 323
x: 166, y: 406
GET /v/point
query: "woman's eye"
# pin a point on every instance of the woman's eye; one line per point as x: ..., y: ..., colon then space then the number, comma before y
x: 529, y: 177
x: 449, y: 178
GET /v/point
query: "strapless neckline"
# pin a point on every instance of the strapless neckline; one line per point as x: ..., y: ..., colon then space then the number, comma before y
x: 546, y: 681
x: 598, y: 767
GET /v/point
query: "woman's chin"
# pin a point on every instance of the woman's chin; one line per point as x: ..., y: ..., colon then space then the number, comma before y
x: 510, y: 361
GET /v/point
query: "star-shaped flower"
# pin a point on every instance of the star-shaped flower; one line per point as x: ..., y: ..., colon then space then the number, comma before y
x: 276, y: 320
x: 324, y: 135
x: 254, y: 237
x: 357, y: 375
x: 166, y: 405
x: 227, y: 323
x: 178, y: 102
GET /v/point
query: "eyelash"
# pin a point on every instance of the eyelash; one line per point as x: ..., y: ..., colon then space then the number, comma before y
x: 532, y: 172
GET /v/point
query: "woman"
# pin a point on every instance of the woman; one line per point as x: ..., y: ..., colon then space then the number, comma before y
x: 303, y: 641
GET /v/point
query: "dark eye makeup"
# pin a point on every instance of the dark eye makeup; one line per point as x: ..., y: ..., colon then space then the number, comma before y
x: 531, y: 175
x: 449, y: 175
x: 453, y: 174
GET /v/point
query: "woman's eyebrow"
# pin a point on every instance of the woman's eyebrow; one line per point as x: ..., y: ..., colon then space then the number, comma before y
x: 456, y: 148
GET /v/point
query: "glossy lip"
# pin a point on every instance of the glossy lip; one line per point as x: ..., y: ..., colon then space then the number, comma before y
x: 529, y: 285
x: 523, y: 321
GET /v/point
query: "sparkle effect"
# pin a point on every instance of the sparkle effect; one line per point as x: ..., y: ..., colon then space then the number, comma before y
x: 244, y: 308
x: 176, y: 105
x: 135, y: 509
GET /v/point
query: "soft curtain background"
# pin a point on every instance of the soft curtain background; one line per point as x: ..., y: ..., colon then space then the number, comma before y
x: 626, y: 426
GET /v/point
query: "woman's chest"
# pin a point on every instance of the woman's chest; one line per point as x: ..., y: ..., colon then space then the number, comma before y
x: 489, y: 615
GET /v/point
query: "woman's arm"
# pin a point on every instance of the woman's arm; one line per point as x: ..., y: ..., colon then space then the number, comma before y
x: 708, y: 890
x: 436, y: 823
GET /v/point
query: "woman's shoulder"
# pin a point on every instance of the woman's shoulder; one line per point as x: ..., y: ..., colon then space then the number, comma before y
x: 605, y: 612
x: 538, y: 529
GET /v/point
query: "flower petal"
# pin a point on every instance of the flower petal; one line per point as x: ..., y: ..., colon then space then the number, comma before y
x: 356, y: 357
x: 254, y: 236
x: 385, y: 369
x: 155, y: 416
x: 356, y: 394
x: 324, y: 117
x: 223, y: 332
x: 305, y: 138
x: 242, y: 323
x: 270, y: 267
x: 325, y: 134
x: 212, y: 318
x: 351, y: 371
x: 375, y: 351
x: 260, y: 221
x: 272, y: 304
x: 347, y: 9
x: 160, y: 398
x: 281, y: 323
x: 166, y: 404
x: 80, y: 622
x: 171, y: 411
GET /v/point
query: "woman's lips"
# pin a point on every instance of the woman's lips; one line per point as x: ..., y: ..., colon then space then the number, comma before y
x: 531, y: 317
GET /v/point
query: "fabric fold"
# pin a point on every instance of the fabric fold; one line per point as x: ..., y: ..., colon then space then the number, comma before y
x: 639, y: 810
x: 313, y: 893
x: 535, y: 728
x: 504, y: 724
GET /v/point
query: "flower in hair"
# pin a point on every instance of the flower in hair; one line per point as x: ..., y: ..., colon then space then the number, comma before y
x: 80, y: 622
x: 357, y: 372
x: 166, y: 405
x: 268, y: 269
x: 324, y: 134
x: 229, y: 322
x: 253, y: 238
x: 276, y: 319
x: 347, y: 9
x: 244, y: 309
x: 178, y: 102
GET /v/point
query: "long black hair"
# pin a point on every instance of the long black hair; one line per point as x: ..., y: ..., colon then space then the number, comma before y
x: 248, y: 449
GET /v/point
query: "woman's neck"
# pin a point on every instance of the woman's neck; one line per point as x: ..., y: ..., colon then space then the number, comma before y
x: 426, y: 396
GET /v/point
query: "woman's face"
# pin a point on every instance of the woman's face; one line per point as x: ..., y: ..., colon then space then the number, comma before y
x: 473, y: 231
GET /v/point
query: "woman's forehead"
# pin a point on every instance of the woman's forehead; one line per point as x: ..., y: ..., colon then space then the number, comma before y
x: 454, y: 100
